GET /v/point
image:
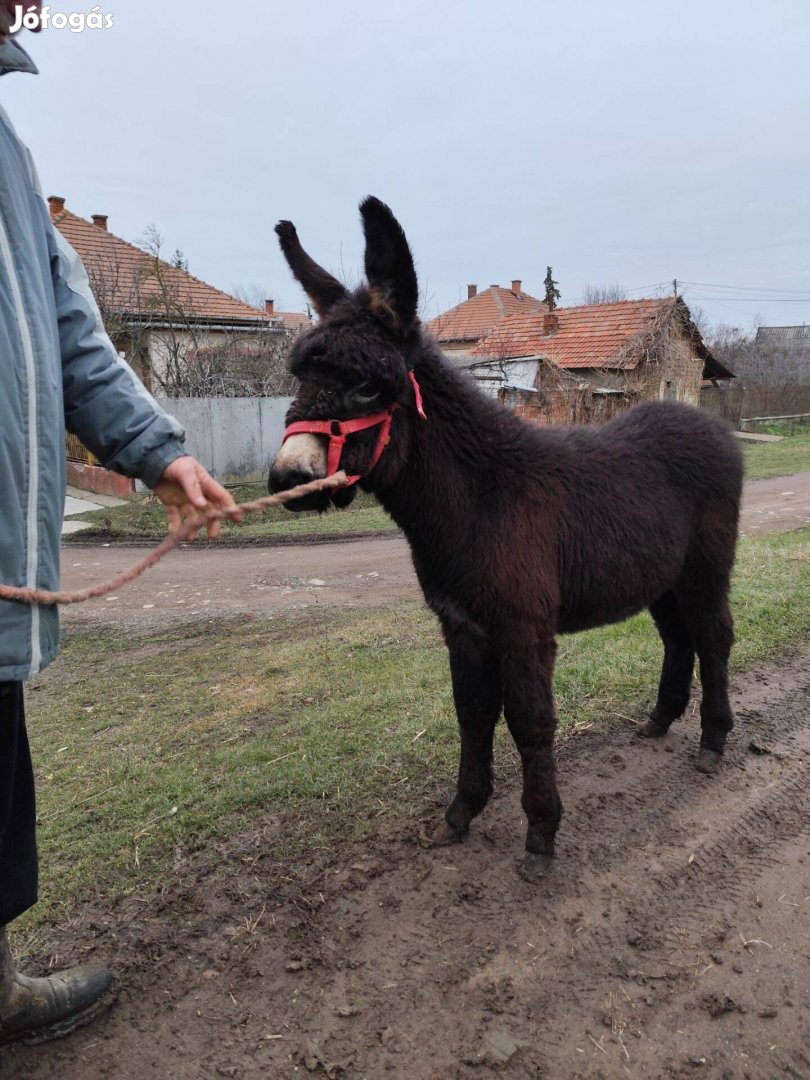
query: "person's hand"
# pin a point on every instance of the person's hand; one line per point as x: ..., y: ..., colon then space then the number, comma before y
x: 186, y: 490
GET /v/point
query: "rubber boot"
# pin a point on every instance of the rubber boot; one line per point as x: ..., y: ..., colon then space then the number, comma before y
x: 35, y: 1010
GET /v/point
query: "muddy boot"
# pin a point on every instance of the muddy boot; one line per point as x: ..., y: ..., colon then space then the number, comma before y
x: 39, y: 1009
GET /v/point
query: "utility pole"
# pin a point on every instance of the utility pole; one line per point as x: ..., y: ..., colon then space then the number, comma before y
x: 674, y: 286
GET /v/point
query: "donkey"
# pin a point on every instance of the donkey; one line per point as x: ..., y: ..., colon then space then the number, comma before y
x: 518, y: 533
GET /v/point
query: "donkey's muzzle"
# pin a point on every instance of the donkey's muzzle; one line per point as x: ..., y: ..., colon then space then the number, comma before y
x: 282, y: 479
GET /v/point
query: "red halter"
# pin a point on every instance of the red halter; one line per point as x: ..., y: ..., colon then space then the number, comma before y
x: 338, y: 430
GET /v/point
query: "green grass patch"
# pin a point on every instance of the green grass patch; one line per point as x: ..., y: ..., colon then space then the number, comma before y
x: 144, y: 519
x: 149, y: 746
x: 782, y: 427
x: 784, y: 458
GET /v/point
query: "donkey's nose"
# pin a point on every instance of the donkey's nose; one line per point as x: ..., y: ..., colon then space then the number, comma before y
x: 281, y: 479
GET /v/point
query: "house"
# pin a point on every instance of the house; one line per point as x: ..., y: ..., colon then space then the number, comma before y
x: 155, y: 311
x: 180, y: 335
x: 461, y: 328
x: 585, y: 363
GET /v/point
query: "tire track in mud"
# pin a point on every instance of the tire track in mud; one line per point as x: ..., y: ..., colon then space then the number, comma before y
x: 627, y: 885
x: 665, y: 941
x: 719, y: 849
x: 743, y: 845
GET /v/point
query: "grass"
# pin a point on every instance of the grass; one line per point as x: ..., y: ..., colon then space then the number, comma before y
x: 783, y: 427
x: 144, y: 519
x: 151, y: 745
x: 784, y: 458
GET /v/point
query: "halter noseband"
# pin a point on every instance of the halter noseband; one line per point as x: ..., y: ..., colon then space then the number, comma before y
x: 337, y: 432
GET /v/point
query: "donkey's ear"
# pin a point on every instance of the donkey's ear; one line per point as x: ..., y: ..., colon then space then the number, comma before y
x: 389, y: 263
x: 323, y: 290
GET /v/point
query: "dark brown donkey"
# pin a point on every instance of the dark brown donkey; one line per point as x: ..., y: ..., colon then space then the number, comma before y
x: 518, y: 533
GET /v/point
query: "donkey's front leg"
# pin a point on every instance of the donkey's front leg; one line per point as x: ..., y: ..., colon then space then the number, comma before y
x: 477, y: 694
x: 526, y: 673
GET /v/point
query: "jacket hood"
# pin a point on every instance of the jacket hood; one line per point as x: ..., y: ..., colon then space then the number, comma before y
x: 14, y: 58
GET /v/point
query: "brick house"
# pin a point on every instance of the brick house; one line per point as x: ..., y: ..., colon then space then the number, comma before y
x: 152, y: 307
x: 461, y: 328
x: 586, y: 363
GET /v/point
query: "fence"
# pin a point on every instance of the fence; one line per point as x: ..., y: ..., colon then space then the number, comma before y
x: 76, y: 451
x: 738, y: 402
x: 594, y: 405
x: 236, y: 439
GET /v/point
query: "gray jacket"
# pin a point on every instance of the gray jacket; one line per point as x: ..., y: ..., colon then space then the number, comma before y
x: 58, y: 369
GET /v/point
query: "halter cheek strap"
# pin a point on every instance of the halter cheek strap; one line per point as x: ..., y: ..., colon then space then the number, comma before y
x: 337, y: 431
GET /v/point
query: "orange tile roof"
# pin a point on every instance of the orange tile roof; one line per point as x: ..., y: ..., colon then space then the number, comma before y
x: 295, y: 320
x: 590, y: 336
x: 128, y: 272
x: 472, y: 319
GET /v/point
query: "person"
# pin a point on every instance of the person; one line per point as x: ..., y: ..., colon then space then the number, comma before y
x: 58, y: 369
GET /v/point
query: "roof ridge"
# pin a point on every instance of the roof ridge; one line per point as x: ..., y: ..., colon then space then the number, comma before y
x: 620, y: 303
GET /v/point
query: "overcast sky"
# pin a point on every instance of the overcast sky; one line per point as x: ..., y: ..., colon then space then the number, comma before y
x: 628, y: 141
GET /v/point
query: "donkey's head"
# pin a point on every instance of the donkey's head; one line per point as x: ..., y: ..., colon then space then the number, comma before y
x: 354, y: 365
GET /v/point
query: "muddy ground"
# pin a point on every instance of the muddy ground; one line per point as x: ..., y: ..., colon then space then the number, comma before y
x: 670, y: 939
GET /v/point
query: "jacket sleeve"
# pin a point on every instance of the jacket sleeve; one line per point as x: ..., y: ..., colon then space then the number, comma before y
x: 106, y: 405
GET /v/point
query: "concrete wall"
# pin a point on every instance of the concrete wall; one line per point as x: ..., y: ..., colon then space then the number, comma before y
x: 234, y: 438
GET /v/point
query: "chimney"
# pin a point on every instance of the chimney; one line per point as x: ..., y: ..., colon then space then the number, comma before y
x: 551, y: 322
x: 516, y: 285
x: 100, y: 221
x: 495, y: 286
x: 268, y: 307
x: 56, y: 204
x: 471, y: 291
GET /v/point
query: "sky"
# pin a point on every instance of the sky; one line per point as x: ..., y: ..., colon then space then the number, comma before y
x: 631, y: 142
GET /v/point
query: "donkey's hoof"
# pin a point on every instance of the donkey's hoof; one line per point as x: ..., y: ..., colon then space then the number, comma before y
x: 444, y: 835
x: 708, y: 761
x: 533, y: 867
x: 651, y: 729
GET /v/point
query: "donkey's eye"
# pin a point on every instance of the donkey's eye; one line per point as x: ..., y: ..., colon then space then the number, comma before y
x: 366, y: 391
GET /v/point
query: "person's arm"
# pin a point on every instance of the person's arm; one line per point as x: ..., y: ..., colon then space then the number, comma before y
x: 110, y: 410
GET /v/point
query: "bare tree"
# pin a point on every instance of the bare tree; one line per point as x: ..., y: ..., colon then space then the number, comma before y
x: 604, y: 294
x: 250, y: 366
x: 149, y: 312
x: 251, y: 293
x: 761, y: 363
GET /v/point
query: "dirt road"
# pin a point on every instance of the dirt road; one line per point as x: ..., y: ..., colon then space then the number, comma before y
x: 670, y: 939
x: 776, y: 504
x: 275, y: 579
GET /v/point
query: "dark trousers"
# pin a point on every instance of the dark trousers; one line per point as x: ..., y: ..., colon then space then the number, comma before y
x: 18, y: 846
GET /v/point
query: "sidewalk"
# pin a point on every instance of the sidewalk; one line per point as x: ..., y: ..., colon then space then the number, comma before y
x: 79, y: 502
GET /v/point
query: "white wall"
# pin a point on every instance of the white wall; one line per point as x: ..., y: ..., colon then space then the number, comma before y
x: 234, y: 438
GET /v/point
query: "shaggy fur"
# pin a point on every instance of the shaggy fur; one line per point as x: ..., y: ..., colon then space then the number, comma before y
x: 521, y: 533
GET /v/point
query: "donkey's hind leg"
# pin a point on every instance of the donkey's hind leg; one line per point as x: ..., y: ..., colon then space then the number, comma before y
x: 477, y: 694
x: 712, y: 629
x: 527, y: 667
x: 676, y: 673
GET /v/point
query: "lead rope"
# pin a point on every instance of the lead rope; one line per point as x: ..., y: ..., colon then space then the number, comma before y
x: 43, y: 596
